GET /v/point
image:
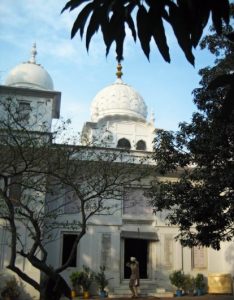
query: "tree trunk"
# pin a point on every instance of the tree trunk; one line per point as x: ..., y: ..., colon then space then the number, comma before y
x: 54, y: 288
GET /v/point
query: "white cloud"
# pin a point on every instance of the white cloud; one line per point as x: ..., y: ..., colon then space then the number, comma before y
x: 64, y: 50
x: 27, y: 21
x: 40, y: 21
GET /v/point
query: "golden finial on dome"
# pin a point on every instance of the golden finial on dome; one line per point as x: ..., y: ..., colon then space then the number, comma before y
x: 119, y: 72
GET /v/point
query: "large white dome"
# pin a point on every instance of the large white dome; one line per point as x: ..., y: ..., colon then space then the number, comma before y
x: 118, y: 99
x: 30, y: 75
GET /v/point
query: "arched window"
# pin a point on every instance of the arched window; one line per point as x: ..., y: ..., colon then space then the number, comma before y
x: 124, y: 143
x: 141, y: 145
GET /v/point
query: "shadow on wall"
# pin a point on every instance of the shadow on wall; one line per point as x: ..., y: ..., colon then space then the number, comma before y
x: 162, y: 280
x: 229, y: 257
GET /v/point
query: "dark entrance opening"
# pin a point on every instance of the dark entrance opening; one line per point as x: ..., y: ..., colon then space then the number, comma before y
x: 139, y: 249
x: 68, y: 242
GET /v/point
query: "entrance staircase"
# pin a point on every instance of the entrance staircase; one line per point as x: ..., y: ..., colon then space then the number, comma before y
x: 146, y: 289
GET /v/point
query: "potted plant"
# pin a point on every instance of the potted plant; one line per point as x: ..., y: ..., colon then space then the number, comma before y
x: 83, y: 279
x: 86, y: 278
x: 177, y: 278
x: 199, y: 284
x: 75, y: 279
x: 189, y: 284
x: 102, y: 281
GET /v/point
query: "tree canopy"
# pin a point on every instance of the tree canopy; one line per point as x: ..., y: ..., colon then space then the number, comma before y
x: 146, y: 20
x: 201, y: 202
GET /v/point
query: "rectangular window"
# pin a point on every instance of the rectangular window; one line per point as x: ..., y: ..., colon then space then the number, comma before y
x: 4, y: 250
x: 106, y: 250
x: 15, y: 189
x: 168, y: 251
x: 24, y: 111
x: 71, y: 201
x: 136, y: 202
x: 68, y: 242
x: 199, y: 257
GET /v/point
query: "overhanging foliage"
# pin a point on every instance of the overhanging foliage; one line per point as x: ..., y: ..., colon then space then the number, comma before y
x: 146, y: 20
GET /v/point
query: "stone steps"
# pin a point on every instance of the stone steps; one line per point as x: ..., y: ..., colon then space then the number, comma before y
x: 146, y: 288
x: 157, y: 295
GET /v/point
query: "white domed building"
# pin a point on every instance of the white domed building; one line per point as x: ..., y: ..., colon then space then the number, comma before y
x: 29, y: 93
x: 30, y: 75
x: 119, y: 120
x: 31, y: 89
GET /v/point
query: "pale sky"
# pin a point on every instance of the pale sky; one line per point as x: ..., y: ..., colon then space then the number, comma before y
x: 166, y: 88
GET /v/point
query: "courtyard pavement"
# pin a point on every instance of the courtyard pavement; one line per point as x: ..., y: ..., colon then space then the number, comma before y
x: 203, y: 297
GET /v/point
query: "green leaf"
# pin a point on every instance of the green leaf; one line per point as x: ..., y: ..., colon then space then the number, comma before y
x: 93, y: 26
x: 81, y: 19
x: 230, y: 36
x: 158, y: 33
x: 217, y: 21
x: 117, y: 29
x: 131, y: 25
x: 107, y: 31
x: 221, y: 81
x: 143, y: 30
x: 181, y: 30
x: 228, y: 101
x: 111, y: 32
x: 119, y: 44
x: 107, y: 35
x: 198, y: 15
x: 220, y: 10
x: 224, y: 8
x: 72, y: 4
x: 129, y: 19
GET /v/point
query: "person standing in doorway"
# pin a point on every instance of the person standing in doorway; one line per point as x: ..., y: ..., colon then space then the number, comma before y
x: 134, y: 281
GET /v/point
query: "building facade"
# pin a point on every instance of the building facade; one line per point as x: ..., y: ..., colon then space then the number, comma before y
x: 118, y: 121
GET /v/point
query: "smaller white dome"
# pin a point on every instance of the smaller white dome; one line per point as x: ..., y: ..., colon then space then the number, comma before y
x: 118, y: 99
x: 30, y: 75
